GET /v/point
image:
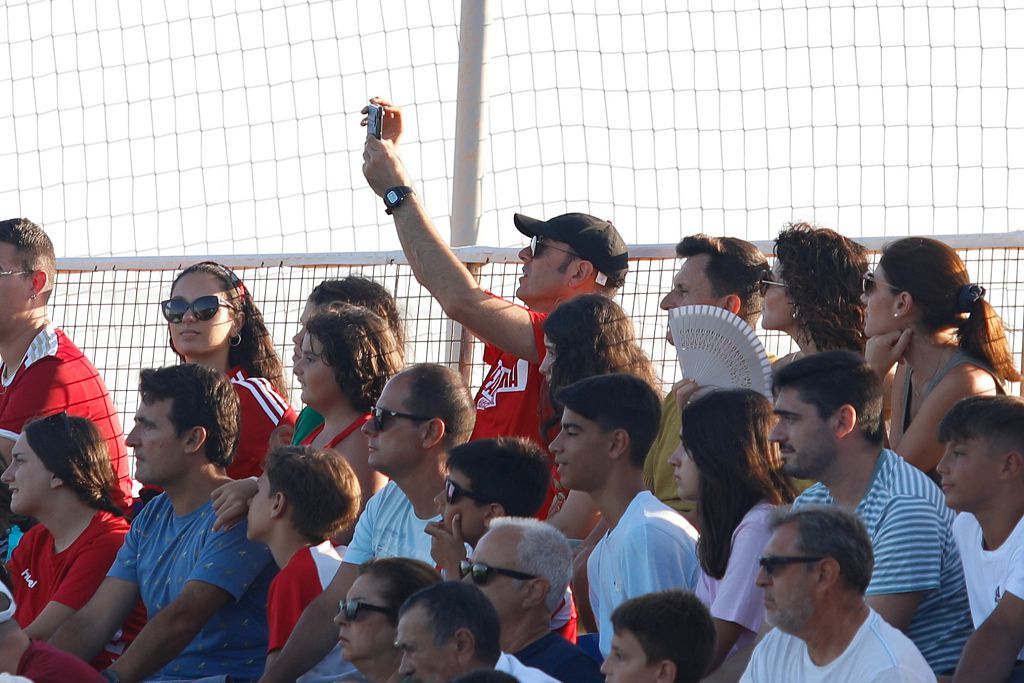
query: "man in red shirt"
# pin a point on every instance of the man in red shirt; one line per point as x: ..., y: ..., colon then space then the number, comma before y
x: 571, y: 254
x: 41, y: 371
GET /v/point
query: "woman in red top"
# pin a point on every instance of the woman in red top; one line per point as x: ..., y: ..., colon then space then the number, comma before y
x: 213, y: 321
x: 347, y: 356
x: 60, y: 473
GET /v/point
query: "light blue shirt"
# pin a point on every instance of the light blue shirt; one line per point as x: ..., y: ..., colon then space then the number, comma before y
x: 389, y: 527
x: 163, y: 552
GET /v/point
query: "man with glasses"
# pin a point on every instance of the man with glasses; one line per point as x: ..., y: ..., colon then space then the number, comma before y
x: 830, y: 430
x: 41, y: 371
x: 814, y: 572
x: 523, y: 566
x: 423, y: 412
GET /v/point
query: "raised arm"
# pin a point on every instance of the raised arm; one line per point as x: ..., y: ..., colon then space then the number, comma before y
x: 90, y: 628
x: 436, y: 267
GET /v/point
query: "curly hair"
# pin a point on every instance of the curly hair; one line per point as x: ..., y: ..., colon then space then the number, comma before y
x: 360, y: 291
x: 359, y: 347
x: 592, y: 335
x: 933, y: 274
x: 72, y: 449
x: 823, y: 272
x: 255, y: 351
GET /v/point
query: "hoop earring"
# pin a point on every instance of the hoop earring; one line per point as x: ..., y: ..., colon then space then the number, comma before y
x: 236, y: 340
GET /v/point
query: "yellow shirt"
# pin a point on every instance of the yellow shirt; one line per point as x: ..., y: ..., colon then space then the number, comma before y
x: 659, y: 476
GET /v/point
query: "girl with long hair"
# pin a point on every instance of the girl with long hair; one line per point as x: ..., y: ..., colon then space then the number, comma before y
x: 813, y: 291
x: 213, y: 321
x: 60, y: 474
x: 726, y: 464
x: 924, y: 313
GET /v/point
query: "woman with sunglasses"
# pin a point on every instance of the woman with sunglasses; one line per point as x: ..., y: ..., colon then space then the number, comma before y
x: 368, y: 618
x: 813, y: 292
x: 213, y: 321
x: 60, y: 474
x: 727, y: 465
x: 924, y: 312
x: 347, y: 356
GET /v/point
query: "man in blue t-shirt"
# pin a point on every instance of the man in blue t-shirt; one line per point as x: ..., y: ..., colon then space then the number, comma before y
x: 830, y: 429
x: 205, y: 592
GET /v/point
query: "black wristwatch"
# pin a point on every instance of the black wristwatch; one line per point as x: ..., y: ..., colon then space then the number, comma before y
x: 110, y: 676
x: 394, y: 197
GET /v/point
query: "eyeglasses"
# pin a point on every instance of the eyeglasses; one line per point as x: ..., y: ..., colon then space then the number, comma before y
x: 870, y: 283
x: 203, y: 308
x: 351, y: 609
x: 536, y: 241
x: 452, y: 492
x: 766, y: 281
x: 771, y: 563
x: 15, y: 272
x: 380, y: 416
x: 481, y: 573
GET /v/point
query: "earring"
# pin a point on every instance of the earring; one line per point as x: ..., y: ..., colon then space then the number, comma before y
x: 895, y: 315
x: 236, y: 340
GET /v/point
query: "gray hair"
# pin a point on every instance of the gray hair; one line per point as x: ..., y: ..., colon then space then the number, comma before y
x: 829, y: 531
x: 543, y: 551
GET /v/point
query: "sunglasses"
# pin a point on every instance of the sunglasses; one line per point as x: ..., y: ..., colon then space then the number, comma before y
x: 481, y: 573
x: 536, y: 241
x: 452, y: 492
x: 771, y: 563
x: 351, y: 609
x: 203, y: 308
x: 381, y: 416
x: 766, y: 281
x: 870, y: 284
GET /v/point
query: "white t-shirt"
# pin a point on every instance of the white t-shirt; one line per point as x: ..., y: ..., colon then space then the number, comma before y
x: 524, y: 674
x: 651, y: 549
x: 878, y: 653
x: 989, y: 573
x: 389, y: 527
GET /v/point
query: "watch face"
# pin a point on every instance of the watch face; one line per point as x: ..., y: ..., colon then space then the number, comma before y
x: 392, y: 196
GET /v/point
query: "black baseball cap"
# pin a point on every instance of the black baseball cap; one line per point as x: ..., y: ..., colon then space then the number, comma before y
x: 594, y: 239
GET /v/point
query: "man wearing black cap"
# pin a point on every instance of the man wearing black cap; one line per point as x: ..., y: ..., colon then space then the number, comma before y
x: 568, y: 255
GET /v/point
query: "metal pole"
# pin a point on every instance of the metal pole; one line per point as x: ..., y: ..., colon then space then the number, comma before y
x: 469, y: 124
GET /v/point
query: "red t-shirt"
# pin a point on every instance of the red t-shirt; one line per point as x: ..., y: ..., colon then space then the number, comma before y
x: 298, y: 584
x: 261, y: 409
x: 56, y: 376
x: 71, y: 576
x: 43, y: 663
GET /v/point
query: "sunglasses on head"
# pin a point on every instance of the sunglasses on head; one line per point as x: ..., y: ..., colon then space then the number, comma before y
x: 870, y: 284
x: 771, y: 563
x: 381, y: 417
x: 203, y: 308
x: 481, y: 573
x: 351, y: 609
x: 452, y: 492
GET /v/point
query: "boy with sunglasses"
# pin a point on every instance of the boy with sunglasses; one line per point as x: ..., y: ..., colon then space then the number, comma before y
x: 303, y: 496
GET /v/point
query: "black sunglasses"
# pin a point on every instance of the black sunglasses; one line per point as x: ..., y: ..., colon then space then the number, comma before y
x: 771, y: 563
x: 481, y: 573
x: 203, y: 308
x: 380, y: 416
x: 870, y: 284
x: 535, y: 244
x: 352, y: 608
x: 452, y: 492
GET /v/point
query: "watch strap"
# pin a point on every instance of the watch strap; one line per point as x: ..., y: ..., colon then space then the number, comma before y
x: 394, y: 197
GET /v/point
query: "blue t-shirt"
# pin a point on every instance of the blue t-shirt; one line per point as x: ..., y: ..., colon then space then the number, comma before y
x: 911, y: 534
x: 389, y: 527
x: 558, y: 658
x: 163, y: 552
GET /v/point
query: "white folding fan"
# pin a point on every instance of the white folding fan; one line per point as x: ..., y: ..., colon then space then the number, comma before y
x: 718, y: 349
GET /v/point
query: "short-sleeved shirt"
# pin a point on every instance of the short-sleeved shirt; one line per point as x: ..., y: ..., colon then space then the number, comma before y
x: 54, y: 376
x: 43, y: 663
x: 560, y: 659
x: 261, y: 410
x: 297, y: 584
x: 911, y: 533
x: 389, y: 527
x: 524, y: 674
x: 878, y: 653
x: 990, y: 574
x: 71, y: 577
x: 736, y: 597
x: 650, y: 549
x: 163, y: 552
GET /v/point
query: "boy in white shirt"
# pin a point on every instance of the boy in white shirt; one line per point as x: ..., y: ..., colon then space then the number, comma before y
x: 983, y: 479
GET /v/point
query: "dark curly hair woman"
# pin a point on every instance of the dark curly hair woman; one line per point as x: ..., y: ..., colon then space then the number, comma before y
x: 813, y: 292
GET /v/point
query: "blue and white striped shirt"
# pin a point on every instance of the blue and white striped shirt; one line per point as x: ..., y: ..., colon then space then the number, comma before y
x: 911, y: 533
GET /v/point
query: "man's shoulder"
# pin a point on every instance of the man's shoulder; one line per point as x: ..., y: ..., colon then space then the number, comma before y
x: 647, y: 513
x: 556, y: 655
x: 525, y: 674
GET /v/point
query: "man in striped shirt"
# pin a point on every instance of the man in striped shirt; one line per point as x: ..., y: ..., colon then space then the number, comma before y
x: 830, y: 429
